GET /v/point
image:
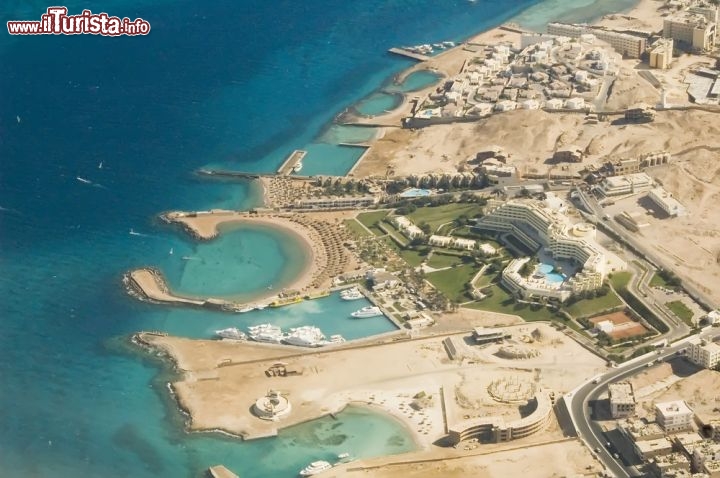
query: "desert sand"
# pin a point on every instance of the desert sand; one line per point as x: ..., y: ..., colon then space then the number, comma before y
x: 222, y: 379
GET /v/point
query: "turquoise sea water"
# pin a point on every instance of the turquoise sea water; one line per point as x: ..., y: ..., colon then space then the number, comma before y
x: 237, y: 84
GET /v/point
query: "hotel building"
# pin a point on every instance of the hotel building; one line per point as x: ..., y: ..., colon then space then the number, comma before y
x: 537, y: 226
x: 691, y: 29
x: 497, y: 430
x: 630, y: 46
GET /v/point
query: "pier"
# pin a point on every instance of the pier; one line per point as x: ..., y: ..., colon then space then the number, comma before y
x: 291, y: 162
x: 219, y: 471
x: 230, y: 174
x: 409, y: 54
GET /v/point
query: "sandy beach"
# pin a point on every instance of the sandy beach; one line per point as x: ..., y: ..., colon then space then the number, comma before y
x: 405, y: 378
x: 318, y: 234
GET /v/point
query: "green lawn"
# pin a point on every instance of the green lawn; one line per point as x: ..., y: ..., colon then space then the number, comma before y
x: 501, y: 301
x: 658, y: 281
x: 619, y: 280
x: 587, y: 307
x: 370, y: 219
x: 485, y: 280
x: 438, y: 215
x: 439, y: 261
x: 451, y: 282
x: 412, y: 257
x: 681, y: 310
x: 355, y: 228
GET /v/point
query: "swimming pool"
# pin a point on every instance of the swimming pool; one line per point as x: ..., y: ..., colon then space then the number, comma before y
x: 415, y: 193
x: 550, y: 276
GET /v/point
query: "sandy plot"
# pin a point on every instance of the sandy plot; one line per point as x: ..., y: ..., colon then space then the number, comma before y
x: 564, y: 458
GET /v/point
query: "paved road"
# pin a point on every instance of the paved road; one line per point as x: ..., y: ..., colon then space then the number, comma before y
x: 647, y: 253
x: 580, y: 412
x: 640, y: 282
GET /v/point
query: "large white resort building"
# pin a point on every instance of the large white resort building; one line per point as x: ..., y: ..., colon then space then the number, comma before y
x: 571, y: 260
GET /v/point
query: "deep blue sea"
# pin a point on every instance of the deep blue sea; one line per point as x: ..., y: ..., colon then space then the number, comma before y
x: 237, y: 84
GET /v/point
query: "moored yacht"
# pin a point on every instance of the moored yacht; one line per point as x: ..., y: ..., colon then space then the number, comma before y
x: 264, y: 328
x: 367, y: 312
x: 315, y: 467
x: 232, y: 333
x: 270, y: 336
x: 336, y: 339
x: 305, y: 336
x: 351, y: 294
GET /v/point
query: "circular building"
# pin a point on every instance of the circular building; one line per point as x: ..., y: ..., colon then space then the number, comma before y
x: 272, y: 406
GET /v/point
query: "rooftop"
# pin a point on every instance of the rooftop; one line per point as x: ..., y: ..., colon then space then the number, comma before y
x: 621, y: 392
x: 674, y: 408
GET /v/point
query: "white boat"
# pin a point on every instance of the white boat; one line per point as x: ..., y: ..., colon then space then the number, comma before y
x: 264, y: 328
x: 315, y: 467
x: 336, y: 339
x: 367, y: 312
x: 351, y: 294
x: 305, y: 336
x: 83, y: 180
x: 303, y: 340
x: 133, y: 233
x: 244, y: 309
x: 269, y: 336
x: 297, y: 167
x: 261, y: 306
x: 232, y: 333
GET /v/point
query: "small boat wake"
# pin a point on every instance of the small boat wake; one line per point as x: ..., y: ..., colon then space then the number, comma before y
x: 90, y: 183
x: 133, y: 232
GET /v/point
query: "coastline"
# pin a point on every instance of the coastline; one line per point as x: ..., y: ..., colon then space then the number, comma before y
x: 322, y: 244
x: 414, y: 152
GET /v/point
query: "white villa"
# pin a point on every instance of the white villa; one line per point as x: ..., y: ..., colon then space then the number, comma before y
x: 452, y: 242
x: 406, y: 226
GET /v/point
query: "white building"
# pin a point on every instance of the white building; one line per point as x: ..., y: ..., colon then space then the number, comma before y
x: 440, y: 241
x: 674, y: 416
x: 622, y: 399
x: 538, y: 226
x: 466, y: 244
x: 705, y: 452
x: 575, y: 103
x: 606, y: 326
x: 665, y: 201
x: 487, y: 249
x: 704, y: 353
x: 630, y: 46
x: 405, y: 226
x: 554, y: 104
x: 627, y: 184
x: 692, y: 29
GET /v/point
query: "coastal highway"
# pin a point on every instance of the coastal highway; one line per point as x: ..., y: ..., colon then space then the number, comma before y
x: 580, y: 405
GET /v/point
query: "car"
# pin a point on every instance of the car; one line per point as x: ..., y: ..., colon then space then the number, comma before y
x: 616, y: 456
x: 597, y: 449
